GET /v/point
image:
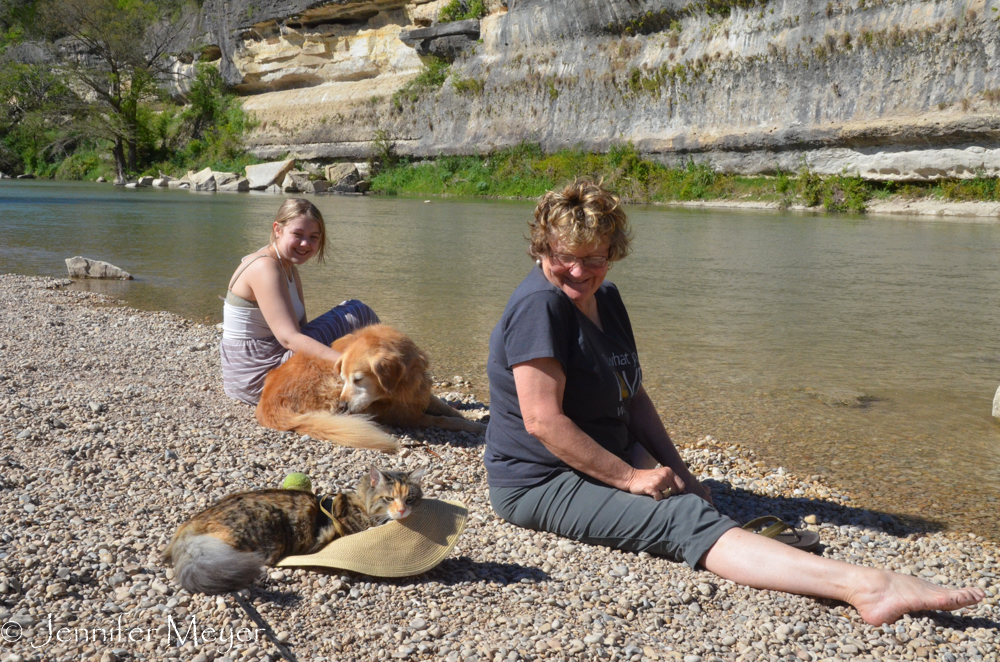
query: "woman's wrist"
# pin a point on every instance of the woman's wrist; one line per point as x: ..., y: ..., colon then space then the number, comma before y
x: 625, y: 483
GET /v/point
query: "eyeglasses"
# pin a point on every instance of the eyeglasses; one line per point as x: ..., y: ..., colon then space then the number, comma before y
x: 588, y: 262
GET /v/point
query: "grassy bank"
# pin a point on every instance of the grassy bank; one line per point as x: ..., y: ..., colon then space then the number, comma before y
x: 525, y: 171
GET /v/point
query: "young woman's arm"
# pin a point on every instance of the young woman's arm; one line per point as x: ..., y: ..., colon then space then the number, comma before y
x: 267, y: 282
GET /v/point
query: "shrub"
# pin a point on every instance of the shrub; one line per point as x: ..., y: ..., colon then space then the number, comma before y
x: 782, y: 182
x: 460, y: 10
x: 383, y: 152
x: 471, y: 86
x: 810, y: 187
x: 696, y: 183
x: 431, y: 78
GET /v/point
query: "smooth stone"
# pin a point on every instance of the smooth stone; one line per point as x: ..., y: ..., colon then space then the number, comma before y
x: 82, y: 267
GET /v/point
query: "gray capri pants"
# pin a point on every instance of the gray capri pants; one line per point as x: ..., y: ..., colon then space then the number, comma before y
x: 573, y: 505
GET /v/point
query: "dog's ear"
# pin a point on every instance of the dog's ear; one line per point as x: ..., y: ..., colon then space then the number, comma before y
x: 341, y: 343
x: 338, y: 364
x: 388, y: 371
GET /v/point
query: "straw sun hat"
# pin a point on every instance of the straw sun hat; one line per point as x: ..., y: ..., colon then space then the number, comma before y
x: 399, y: 548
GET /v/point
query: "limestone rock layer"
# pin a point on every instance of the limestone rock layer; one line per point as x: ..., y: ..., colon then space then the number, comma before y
x: 890, y: 89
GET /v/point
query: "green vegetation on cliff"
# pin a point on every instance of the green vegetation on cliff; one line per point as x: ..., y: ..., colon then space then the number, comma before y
x: 525, y: 171
x: 460, y: 10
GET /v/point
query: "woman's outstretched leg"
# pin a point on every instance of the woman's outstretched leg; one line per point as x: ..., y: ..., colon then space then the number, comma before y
x: 880, y: 596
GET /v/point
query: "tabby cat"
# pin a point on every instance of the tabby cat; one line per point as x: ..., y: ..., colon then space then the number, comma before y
x: 223, y: 547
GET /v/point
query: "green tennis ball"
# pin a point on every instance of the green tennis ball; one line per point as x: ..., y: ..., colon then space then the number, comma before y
x: 297, y: 481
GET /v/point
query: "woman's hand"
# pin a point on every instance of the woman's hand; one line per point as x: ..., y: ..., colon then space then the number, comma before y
x: 657, y: 483
x: 662, y: 482
x: 648, y: 429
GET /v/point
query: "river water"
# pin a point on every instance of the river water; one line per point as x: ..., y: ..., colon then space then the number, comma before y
x: 865, y: 350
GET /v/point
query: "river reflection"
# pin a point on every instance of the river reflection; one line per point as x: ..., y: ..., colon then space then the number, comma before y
x: 861, y: 349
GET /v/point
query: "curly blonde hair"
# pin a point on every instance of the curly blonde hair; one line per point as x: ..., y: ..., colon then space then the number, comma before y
x: 293, y: 208
x: 582, y: 214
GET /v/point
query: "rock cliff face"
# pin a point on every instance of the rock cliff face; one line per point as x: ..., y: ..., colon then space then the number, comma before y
x: 892, y: 89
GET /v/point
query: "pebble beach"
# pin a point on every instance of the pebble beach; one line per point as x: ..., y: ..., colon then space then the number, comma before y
x: 114, y: 429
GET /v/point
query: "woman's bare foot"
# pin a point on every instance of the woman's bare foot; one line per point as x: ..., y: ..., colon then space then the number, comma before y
x: 889, y: 595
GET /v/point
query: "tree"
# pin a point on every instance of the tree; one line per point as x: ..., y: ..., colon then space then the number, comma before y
x: 115, y: 52
x: 34, y: 124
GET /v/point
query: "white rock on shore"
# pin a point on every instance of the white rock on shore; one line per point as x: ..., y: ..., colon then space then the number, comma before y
x: 84, y: 267
x: 114, y: 429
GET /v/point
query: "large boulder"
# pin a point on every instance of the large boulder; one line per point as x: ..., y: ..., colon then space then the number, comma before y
x: 183, y: 182
x: 316, y: 186
x: 4, y: 175
x: 205, y: 186
x: 144, y: 181
x: 203, y: 180
x: 162, y: 181
x: 223, y: 178
x: 82, y: 267
x: 295, y: 181
x: 446, y: 40
x: 337, y: 171
x: 996, y: 406
x: 241, y: 185
x: 199, y: 177
x: 264, y: 175
x: 344, y: 177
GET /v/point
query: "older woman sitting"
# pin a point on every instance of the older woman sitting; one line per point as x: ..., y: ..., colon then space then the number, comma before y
x: 572, y: 436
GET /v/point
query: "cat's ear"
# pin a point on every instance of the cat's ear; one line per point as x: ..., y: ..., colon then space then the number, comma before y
x: 377, y: 476
x: 418, y: 474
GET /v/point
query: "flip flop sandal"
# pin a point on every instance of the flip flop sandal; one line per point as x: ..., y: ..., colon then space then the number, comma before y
x: 774, y: 527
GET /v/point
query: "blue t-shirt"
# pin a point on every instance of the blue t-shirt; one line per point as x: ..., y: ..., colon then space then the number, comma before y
x: 602, y: 374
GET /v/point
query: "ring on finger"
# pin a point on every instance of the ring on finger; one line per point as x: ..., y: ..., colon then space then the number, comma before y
x: 667, y: 492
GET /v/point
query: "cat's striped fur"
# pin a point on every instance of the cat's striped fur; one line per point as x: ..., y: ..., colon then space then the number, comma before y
x: 223, y: 547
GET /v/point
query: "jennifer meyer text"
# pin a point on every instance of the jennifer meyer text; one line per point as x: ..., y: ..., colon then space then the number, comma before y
x: 118, y: 631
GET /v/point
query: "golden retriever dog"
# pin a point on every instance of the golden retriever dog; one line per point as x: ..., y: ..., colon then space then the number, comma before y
x: 381, y: 374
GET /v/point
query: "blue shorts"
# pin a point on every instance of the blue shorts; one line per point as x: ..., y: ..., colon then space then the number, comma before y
x: 340, y: 320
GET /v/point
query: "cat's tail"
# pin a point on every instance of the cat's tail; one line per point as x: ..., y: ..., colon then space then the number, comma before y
x: 354, y: 431
x: 205, y: 564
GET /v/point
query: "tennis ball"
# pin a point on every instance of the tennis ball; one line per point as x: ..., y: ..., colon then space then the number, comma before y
x: 297, y: 481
